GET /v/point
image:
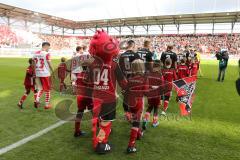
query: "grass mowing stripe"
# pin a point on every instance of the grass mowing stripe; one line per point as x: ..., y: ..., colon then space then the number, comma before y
x: 30, y: 138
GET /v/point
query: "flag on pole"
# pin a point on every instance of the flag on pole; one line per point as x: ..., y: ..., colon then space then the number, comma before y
x: 185, y: 92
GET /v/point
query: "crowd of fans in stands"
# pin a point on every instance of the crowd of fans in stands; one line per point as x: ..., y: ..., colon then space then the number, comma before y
x: 8, y: 37
x: 204, y: 43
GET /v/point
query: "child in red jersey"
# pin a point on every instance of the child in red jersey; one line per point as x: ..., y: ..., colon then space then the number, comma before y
x: 83, y: 92
x: 155, y: 79
x: 182, y: 69
x: 29, y: 83
x: 62, y: 73
x: 84, y: 101
x: 194, y: 67
x: 136, y: 88
x: 169, y: 75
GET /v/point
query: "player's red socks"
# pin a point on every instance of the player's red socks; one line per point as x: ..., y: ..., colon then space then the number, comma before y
x: 128, y: 116
x: 23, y: 99
x: 133, y: 136
x: 107, y: 130
x: 140, y: 134
x: 103, y: 133
x: 61, y: 87
x: 77, y: 125
x: 35, y: 96
x: 165, y: 106
x: 47, y: 98
x: 39, y: 94
x: 94, y: 131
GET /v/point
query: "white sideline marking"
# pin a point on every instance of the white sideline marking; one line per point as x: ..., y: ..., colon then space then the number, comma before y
x: 30, y: 138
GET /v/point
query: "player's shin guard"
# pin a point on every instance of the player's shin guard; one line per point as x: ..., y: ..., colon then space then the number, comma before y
x: 133, y: 136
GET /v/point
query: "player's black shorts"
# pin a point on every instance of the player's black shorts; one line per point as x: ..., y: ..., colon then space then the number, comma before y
x: 108, y: 111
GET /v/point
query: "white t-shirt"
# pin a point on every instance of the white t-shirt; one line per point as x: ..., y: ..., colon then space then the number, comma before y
x: 41, y: 59
x: 76, y: 59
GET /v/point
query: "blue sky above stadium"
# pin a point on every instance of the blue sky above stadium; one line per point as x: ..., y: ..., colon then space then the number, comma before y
x: 106, y: 9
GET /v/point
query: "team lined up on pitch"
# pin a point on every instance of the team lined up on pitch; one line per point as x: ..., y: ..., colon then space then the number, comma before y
x: 94, y: 77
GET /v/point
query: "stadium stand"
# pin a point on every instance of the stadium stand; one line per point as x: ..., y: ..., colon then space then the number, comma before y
x: 205, y: 43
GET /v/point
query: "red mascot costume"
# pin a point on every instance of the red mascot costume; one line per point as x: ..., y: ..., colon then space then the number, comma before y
x: 104, y: 72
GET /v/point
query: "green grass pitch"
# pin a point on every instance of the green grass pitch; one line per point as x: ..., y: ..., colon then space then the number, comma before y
x: 212, y: 133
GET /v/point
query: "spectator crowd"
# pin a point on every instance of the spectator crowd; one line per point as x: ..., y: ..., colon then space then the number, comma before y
x: 205, y: 43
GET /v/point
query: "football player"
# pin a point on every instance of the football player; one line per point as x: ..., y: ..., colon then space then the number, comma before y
x: 169, y: 75
x: 43, y: 68
x: 137, y: 85
x: 147, y: 56
x: 84, y: 94
x: 29, y: 83
x: 125, y: 63
x: 182, y: 69
x: 62, y: 73
x: 169, y: 54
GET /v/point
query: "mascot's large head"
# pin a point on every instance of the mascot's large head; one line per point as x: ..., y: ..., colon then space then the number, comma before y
x: 103, y: 46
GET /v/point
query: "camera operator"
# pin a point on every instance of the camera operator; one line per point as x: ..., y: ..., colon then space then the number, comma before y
x: 223, y: 57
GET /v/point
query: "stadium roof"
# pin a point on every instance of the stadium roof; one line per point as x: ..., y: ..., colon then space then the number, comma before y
x: 86, y: 10
x: 31, y: 16
x: 37, y: 17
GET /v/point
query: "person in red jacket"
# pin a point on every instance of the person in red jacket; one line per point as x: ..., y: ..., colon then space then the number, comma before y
x: 62, y: 73
x: 182, y: 69
x: 29, y: 83
x: 169, y: 75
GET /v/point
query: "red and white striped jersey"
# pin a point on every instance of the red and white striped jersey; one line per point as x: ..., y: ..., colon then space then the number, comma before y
x: 41, y: 59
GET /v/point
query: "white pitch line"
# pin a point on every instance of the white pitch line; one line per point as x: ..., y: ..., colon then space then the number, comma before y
x: 30, y: 138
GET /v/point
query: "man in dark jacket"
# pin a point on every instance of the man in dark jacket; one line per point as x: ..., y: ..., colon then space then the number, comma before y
x: 223, y: 57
